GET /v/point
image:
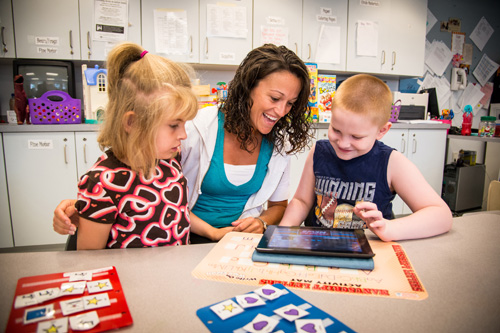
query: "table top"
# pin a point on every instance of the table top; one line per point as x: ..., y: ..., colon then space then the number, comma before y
x: 460, y: 271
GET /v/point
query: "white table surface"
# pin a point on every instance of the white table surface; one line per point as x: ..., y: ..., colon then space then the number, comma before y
x: 460, y: 270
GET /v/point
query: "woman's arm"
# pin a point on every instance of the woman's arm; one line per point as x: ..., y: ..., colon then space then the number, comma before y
x: 272, y: 215
x: 92, y: 235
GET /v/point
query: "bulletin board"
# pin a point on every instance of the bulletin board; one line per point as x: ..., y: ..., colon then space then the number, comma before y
x: 394, y: 276
x: 464, y: 18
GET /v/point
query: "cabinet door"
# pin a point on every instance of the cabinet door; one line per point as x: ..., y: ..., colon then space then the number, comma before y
x: 93, y: 49
x: 325, y: 19
x: 174, y: 32
x: 426, y: 149
x: 5, y: 222
x: 407, y: 52
x: 225, y: 31
x: 87, y: 151
x: 278, y: 22
x: 398, y: 139
x: 47, y: 29
x: 41, y: 171
x: 369, y: 31
x: 7, y: 46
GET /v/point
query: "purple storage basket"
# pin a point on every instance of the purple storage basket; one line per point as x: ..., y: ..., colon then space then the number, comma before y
x: 396, y: 107
x: 45, y: 111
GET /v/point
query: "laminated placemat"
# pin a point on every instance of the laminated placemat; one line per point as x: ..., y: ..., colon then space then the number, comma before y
x: 55, y: 107
x: 393, y: 276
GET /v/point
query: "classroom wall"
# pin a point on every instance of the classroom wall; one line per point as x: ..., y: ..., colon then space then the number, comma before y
x: 469, y: 13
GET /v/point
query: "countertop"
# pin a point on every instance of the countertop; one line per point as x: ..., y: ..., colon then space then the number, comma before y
x: 13, y: 128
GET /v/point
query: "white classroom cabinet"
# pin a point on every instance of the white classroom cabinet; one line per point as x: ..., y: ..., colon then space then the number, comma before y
x: 325, y: 19
x: 42, y: 169
x: 5, y: 223
x: 426, y: 149
x: 387, y: 37
x: 92, y: 49
x: 7, y: 45
x: 47, y: 29
x: 278, y: 22
x: 218, y: 44
x: 177, y: 24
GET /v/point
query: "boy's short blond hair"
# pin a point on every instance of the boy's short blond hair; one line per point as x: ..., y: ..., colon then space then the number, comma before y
x: 367, y: 95
x: 155, y: 89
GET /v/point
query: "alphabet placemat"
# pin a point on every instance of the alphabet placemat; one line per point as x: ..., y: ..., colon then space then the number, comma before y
x: 393, y: 276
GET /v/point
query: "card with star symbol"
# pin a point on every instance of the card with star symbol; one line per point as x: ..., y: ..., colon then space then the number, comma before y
x: 99, y: 286
x: 227, y: 309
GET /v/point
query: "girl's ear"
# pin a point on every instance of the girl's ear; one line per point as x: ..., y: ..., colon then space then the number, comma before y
x: 383, y: 130
x: 128, y: 121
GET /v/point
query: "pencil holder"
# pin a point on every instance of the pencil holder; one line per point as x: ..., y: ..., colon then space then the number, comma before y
x: 55, y: 107
x: 396, y: 107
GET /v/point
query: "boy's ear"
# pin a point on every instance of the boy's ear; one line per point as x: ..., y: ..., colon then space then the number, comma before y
x: 383, y: 130
x: 128, y: 121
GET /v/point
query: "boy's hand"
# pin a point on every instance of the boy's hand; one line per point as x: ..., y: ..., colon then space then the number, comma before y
x: 374, y: 219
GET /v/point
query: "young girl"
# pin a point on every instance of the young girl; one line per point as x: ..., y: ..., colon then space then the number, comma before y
x: 136, y: 194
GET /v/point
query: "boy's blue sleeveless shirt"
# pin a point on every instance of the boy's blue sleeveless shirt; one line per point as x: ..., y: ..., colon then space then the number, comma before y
x: 340, y: 184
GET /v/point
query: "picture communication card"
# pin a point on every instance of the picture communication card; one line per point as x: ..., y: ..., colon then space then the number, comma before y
x: 270, y: 308
x: 88, y: 301
x: 230, y: 260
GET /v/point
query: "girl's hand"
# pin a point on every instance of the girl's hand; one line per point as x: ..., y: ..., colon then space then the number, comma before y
x: 374, y: 219
x: 65, y: 219
x: 249, y: 224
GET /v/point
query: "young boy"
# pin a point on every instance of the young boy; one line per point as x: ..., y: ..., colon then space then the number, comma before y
x: 351, y: 178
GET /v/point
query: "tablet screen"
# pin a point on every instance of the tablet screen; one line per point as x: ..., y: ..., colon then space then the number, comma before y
x: 315, y: 241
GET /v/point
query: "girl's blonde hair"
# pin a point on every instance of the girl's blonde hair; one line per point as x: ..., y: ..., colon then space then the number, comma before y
x: 155, y: 89
x: 367, y: 95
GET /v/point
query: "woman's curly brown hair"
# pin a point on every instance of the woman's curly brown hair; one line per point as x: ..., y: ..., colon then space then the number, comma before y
x: 293, y: 128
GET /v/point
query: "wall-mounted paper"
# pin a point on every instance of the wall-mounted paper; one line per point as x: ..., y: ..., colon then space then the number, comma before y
x: 171, y: 31
x: 226, y: 21
x: 457, y: 43
x: 438, y: 57
x: 110, y: 20
x: 276, y: 35
x: 431, y: 21
x: 367, y: 39
x: 328, y: 50
x: 484, y: 69
x: 482, y: 32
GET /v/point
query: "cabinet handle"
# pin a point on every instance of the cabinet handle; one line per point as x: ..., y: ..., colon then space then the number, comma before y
x: 65, y: 157
x: 88, y: 45
x: 191, y: 45
x: 383, y: 57
x: 393, y: 59
x: 85, y: 153
x: 3, y: 41
x: 206, y: 49
x: 71, y: 41
x: 403, y: 145
x: 296, y: 48
x: 309, y: 56
x: 414, y: 150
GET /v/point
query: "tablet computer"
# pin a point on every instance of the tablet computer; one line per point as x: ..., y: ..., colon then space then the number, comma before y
x: 315, y: 241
